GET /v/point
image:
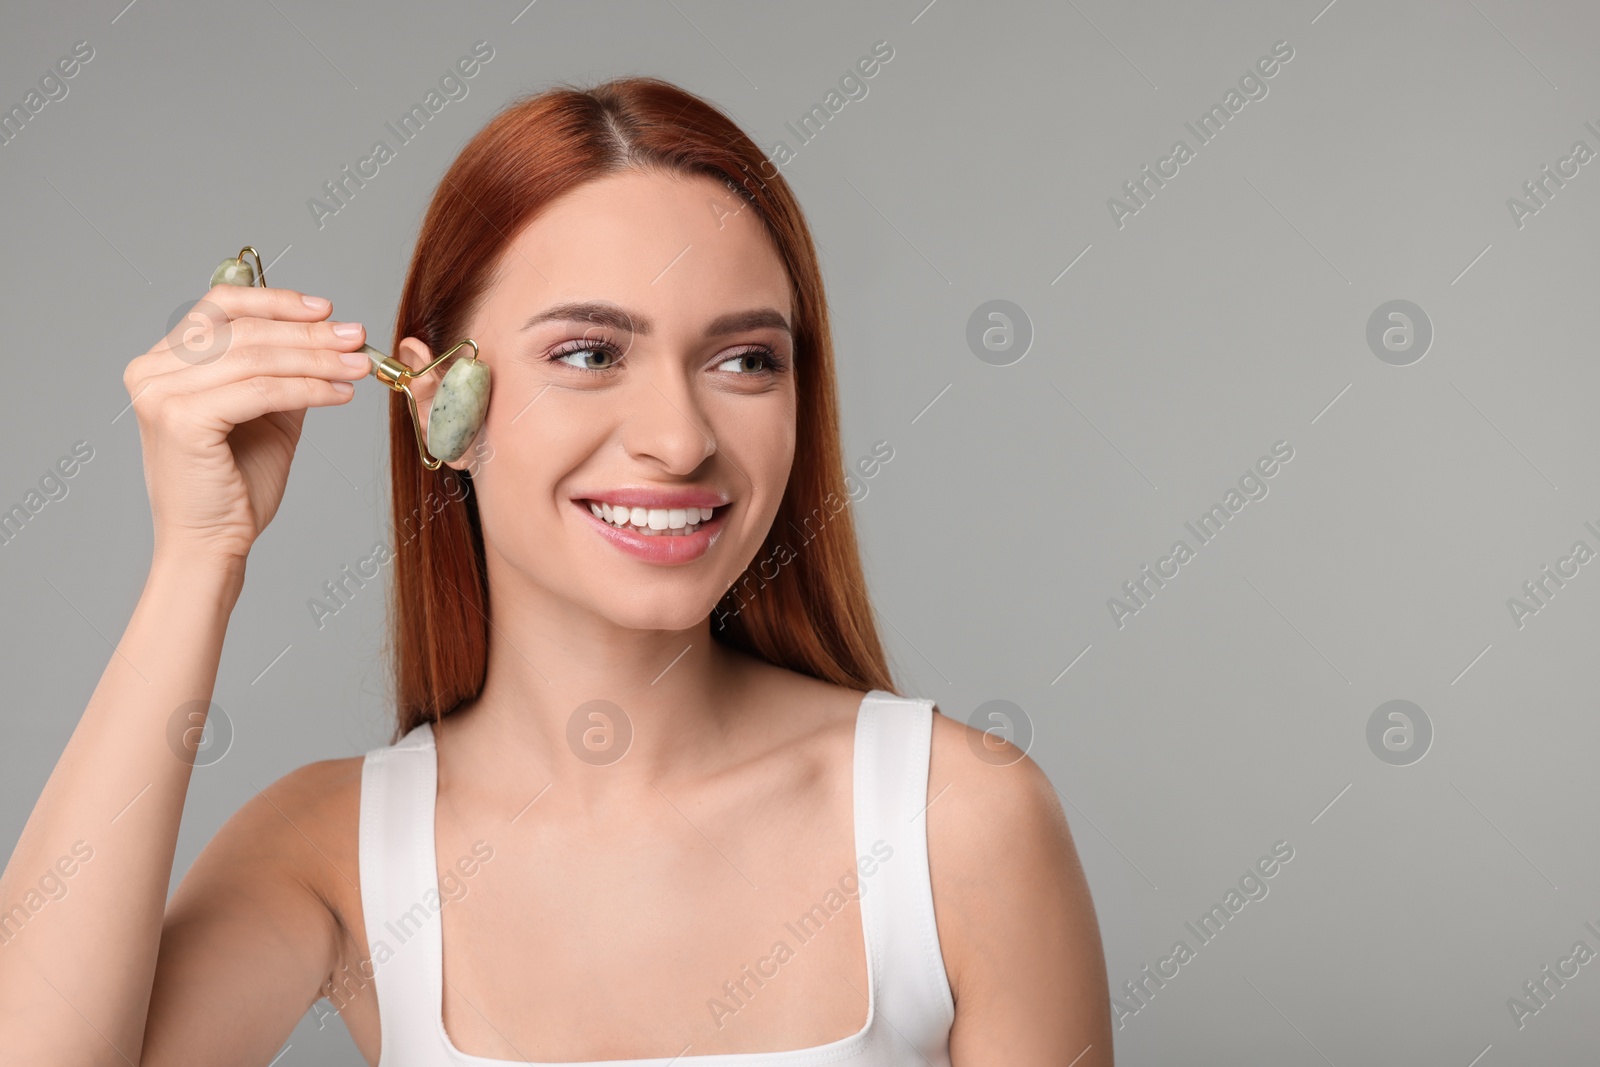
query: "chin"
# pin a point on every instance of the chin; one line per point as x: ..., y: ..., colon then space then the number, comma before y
x: 668, y: 606
x: 670, y: 617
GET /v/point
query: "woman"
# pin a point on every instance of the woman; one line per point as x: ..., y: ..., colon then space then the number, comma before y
x: 652, y: 798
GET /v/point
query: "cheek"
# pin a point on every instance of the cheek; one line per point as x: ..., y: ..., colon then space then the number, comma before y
x: 534, y: 446
x: 772, y: 442
x: 771, y: 453
x: 759, y: 437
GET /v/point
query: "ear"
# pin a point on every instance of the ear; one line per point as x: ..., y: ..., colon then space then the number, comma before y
x: 416, y: 355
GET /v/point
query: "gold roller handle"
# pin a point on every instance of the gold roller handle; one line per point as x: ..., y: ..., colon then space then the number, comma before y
x: 386, y: 369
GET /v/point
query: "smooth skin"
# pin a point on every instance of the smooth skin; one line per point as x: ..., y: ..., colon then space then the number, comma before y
x: 616, y: 900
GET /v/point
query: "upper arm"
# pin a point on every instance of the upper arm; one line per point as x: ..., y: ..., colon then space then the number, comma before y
x: 1015, y: 918
x: 251, y: 935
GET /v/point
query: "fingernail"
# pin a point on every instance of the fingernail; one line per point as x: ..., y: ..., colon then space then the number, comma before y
x: 347, y: 329
x: 344, y: 387
x: 355, y: 359
x: 316, y: 303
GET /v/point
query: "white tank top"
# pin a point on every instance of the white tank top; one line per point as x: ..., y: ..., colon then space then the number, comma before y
x: 909, y: 1008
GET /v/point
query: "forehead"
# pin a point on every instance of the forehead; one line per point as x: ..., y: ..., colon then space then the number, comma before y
x: 677, y: 245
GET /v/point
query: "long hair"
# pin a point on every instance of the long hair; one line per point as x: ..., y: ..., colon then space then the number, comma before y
x: 802, y: 603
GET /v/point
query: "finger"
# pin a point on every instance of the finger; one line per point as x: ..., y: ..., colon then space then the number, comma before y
x: 251, y: 398
x: 260, y: 302
x: 241, y: 362
x: 202, y: 339
x: 327, y: 333
x: 224, y: 316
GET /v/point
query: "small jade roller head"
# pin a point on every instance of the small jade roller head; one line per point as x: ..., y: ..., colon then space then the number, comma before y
x: 458, y: 408
x: 459, y: 405
x: 234, y: 271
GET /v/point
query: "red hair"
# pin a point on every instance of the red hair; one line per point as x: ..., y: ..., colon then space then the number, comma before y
x: 800, y: 606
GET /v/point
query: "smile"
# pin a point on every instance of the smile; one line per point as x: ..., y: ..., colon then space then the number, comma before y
x: 652, y: 522
x: 667, y: 535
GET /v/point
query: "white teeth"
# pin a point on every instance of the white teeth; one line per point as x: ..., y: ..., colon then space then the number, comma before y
x: 654, y: 520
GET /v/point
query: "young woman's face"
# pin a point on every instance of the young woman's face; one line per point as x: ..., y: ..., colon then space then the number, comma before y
x: 641, y: 362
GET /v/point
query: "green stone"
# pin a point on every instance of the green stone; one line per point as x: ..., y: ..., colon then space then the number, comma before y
x: 233, y: 272
x: 457, y: 411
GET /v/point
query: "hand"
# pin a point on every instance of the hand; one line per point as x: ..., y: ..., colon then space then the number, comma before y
x: 220, y: 403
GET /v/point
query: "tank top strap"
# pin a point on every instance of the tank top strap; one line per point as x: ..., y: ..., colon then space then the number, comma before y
x: 893, y: 742
x: 399, y: 894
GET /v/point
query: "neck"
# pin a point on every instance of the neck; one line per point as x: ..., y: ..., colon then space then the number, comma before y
x: 568, y: 693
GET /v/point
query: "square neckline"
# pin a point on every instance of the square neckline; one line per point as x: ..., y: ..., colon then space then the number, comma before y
x: 798, y: 1057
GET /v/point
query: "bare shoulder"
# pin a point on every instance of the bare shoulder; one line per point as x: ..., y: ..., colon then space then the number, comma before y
x: 295, y: 838
x: 305, y: 822
x: 1016, y: 923
x: 326, y: 791
x: 994, y: 815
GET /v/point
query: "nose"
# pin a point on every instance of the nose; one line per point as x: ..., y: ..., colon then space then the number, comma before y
x: 664, y: 422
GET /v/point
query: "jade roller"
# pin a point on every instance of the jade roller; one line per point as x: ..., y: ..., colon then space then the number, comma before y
x: 459, y: 404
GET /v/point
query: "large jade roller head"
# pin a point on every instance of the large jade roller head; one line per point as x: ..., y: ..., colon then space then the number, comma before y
x: 459, y: 404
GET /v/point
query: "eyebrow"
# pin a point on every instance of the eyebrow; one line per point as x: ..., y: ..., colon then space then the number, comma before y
x: 599, y: 314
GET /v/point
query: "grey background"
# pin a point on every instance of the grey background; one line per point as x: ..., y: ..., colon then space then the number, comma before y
x: 1228, y: 314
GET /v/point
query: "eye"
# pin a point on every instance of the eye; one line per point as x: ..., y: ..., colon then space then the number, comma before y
x: 586, y: 349
x: 765, y: 360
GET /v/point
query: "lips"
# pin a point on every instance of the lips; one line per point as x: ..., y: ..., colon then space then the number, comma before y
x: 662, y: 546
